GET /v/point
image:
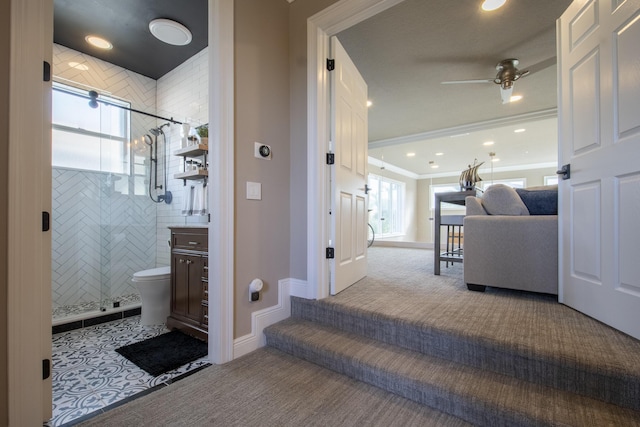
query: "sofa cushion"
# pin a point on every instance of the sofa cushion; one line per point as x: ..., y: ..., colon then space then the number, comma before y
x: 540, y: 200
x: 500, y: 199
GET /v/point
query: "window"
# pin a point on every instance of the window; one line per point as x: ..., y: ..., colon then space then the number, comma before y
x: 515, y: 183
x: 86, y: 138
x: 386, y: 206
x: 551, y: 180
x: 443, y: 188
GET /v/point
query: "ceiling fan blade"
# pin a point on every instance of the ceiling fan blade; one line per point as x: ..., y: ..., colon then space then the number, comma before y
x: 453, y: 82
x: 542, y: 65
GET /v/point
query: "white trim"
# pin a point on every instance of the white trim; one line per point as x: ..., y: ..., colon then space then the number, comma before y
x: 28, y: 279
x: 221, y: 159
x: 392, y: 168
x: 320, y: 27
x: 462, y: 129
x: 300, y: 288
x: 495, y: 170
x: 261, y: 319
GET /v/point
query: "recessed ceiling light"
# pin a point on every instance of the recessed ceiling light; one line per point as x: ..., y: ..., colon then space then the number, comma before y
x: 515, y: 98
x: 519, y: 130
x: 78, y: 66
x: 411, y: 154
x: 495, y: 159
x: 98, y: 42
x: 439, y: 154
x: 490, y: 5
x: 170, y: 32
x: 369, y: 103
x: 434, y: 166
x: 487, y: 143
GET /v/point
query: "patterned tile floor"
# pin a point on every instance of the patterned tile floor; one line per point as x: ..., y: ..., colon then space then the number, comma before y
x: 88, y: 374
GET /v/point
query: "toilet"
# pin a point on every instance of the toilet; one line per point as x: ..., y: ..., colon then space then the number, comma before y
x: 154, y: 286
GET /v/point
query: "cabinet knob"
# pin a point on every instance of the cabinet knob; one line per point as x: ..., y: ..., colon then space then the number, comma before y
x: 189, y: 261
x: 181, y: 260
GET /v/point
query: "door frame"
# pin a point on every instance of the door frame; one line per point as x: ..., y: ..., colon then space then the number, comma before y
x: 320, y: 27
x: 29, y: 194
x: 26, y: 276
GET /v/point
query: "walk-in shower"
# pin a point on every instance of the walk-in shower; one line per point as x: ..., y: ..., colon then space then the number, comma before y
x: 105, y: 196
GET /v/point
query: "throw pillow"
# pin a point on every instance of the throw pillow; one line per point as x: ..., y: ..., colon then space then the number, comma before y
x: 540, y: 201
x: 500, y: 199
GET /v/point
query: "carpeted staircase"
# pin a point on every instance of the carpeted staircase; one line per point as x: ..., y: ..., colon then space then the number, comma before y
x: 483, y: 380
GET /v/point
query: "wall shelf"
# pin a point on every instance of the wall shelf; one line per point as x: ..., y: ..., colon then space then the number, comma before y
x: 193, y: 151
x: 199, y: 174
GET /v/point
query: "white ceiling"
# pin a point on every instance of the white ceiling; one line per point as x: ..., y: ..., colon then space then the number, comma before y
x: 406, y: 51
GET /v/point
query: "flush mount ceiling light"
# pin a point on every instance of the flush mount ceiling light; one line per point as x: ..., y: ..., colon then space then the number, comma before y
x: 99, y: 42
x: 490, y: 5
x: 170, y: 32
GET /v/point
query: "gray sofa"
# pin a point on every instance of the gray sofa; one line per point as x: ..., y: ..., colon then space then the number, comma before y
x: 511, y: 239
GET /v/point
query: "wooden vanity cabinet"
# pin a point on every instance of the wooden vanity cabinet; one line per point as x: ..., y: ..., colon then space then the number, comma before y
x: 189, y: 281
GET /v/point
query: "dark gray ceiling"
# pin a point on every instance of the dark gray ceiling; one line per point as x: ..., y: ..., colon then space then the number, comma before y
x: 125, y: 23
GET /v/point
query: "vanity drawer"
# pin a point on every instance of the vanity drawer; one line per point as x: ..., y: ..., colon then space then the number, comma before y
x: 190, y: 241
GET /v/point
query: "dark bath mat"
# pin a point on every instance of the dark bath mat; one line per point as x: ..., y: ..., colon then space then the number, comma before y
x: 165, y: 352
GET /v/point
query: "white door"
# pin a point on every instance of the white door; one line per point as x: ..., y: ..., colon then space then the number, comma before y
x: 349, y: 177
x: 599, y: 51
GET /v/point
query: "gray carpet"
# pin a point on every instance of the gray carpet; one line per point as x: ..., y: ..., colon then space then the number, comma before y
x: 401, y: 300
x: 270, y: 388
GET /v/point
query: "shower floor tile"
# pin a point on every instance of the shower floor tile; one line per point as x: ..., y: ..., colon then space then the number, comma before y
x: 88, y: 374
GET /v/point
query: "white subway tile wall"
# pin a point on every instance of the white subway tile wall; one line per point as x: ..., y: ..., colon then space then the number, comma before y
x: 100, y: 236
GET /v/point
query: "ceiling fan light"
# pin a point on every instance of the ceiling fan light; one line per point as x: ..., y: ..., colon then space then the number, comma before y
x: 170, y: 32
x: 489, y: 5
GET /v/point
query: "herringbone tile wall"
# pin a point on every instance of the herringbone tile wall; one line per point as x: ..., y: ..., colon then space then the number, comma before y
x: 102, y: 232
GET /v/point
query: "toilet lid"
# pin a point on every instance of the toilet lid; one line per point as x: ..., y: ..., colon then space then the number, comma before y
x: 152, y: 273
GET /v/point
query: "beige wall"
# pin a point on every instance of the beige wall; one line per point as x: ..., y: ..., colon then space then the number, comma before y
x: 5, y: 26
x: 299, y: 12
x: 261, y: 115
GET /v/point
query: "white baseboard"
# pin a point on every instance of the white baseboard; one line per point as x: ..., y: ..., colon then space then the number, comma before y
x: 400, y: 244
x: 263, y: 318
x: 300, y: 288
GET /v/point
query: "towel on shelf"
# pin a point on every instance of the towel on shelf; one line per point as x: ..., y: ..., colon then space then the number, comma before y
x: 200, y: 199
x: 187, y: 202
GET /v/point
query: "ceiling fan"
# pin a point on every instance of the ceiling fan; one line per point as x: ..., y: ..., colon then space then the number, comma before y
x: 507, y: 74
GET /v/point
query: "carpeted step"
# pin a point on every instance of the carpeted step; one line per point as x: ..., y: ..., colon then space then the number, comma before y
x: 549, y: 364
x: 478, y: 396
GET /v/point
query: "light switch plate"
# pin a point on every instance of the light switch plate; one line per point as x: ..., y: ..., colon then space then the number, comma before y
x: 254, y: 190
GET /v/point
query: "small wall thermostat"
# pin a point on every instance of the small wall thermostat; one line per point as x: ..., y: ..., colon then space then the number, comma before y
x: 262, y: 151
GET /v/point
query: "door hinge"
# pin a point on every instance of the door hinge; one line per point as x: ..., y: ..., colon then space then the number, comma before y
x: 46, y: 221
x: 46, y: 71
x: 331, y: 158
x: 331, y: 64
x: 330, y: 253
x: 46, y: 368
